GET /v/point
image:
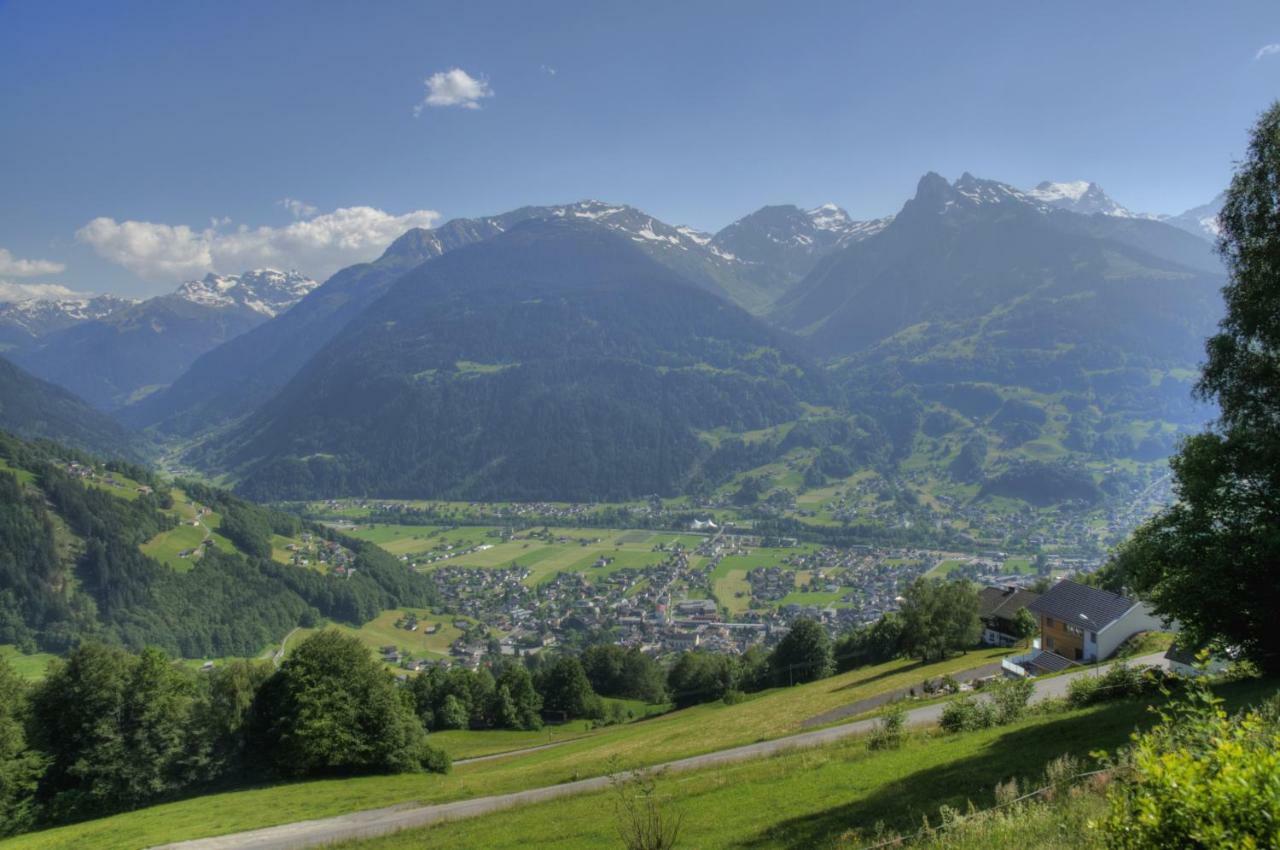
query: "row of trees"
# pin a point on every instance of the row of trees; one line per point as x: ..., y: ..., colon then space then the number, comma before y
x: 937, y: 619
x: 108, y: 730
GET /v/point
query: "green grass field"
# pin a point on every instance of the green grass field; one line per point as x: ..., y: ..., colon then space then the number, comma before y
x: 577, y: 554
x: 801, y: 799
x: 700, y: 729
x: 381, y: 631
x: 29, y: 667
x: 944, y: 568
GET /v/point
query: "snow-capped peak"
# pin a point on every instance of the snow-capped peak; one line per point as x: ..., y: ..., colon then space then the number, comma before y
x: 829, y: 217
x: 1072, y: 190
x: 266, y: 291
x: 39, y: 316
x: 1079, y: 196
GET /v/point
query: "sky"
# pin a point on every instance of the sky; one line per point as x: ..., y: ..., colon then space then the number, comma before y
x: 149, y: 143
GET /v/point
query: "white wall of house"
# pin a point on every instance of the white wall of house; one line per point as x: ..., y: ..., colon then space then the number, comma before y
x: 1137, y: 619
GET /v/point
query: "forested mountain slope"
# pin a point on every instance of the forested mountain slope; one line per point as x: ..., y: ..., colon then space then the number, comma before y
x: 74, y: 533
x: 35, y: 408
x: 554, y: 361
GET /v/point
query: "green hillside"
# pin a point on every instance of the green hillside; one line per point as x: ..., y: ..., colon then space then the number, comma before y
x: 108, y: 551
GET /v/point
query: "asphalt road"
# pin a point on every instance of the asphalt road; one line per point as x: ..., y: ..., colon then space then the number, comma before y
x: 366, y: 824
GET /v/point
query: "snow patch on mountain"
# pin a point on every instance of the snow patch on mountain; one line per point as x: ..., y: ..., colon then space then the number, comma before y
x: 266, y: 291
x: 39, y: 316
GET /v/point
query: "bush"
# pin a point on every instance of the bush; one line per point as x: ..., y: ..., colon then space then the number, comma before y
x: 890, y: 730
x: 1200, y: 779
x: 1009, y: 699
x: 1119, y: 682
x: 643, y: 820
x: 965, y: 714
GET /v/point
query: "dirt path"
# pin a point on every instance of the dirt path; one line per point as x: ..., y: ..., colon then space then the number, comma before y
x: 279, y: 654
x: 367, y: 824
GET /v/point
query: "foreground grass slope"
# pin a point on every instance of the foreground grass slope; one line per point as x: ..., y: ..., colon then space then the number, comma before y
x: 833, y: 796
x: 692, y: 731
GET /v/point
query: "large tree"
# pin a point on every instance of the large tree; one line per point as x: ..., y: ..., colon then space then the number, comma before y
x: 333, y: 709
x: 1212, y: 561
x: 803, y: 655
x: 939, y: 617
x: 117, y: 730
x: 20, y: 766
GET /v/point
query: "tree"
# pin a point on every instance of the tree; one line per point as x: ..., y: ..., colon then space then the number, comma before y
x: 565, y: 690
x: 1024, y: 624
x: 702, y: 677
x: 1209, y: 561
x: 624, y: 673
x: 939, y: 617
x: 803, y: 655
x: 117, y: 730
x: 331, y: 708
x: 20, y: 766
x: 873, y: 644
x: 223, y: 712
x: 518, y: 704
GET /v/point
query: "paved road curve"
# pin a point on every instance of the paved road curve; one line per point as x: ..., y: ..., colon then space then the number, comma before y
x: 366, y: 824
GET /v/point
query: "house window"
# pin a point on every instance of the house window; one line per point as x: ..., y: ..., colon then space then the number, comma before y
x: 1093, y: 637
x: 1048, y: 622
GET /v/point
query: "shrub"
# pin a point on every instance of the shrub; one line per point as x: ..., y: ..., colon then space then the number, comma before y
x: 890, y: 730
x: 1200, y: 779
x: 643, y: 820
x: 1119, y: 682
x: 1009, y: 698
x: 965, y: 714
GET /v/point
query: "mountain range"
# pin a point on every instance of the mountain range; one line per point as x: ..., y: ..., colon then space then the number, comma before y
x: 113, y: 352
x: 457, y: 362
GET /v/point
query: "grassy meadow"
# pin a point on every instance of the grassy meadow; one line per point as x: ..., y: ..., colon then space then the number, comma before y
x: 585, y: 752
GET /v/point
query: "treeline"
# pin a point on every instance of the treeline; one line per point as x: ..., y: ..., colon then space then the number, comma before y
x: 937, y: 619
x: 109, y: 731
x: 72, y: 568
x: 512, y: 695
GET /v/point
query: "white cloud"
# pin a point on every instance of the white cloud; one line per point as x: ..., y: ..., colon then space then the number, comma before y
x: 157, y: 251
x: 548, y: 70
x: 10, y: 291
x: 454, y: 87
x: 298, y: 209
x: 11, y: 265
x: 317, y: 246
x: 1266, y: 50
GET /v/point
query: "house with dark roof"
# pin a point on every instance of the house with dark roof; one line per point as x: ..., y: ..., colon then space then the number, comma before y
x: 997, y: 608
x: 1086, y: 624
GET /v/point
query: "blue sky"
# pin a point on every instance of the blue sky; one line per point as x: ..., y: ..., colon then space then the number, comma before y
x: 154, y: 117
